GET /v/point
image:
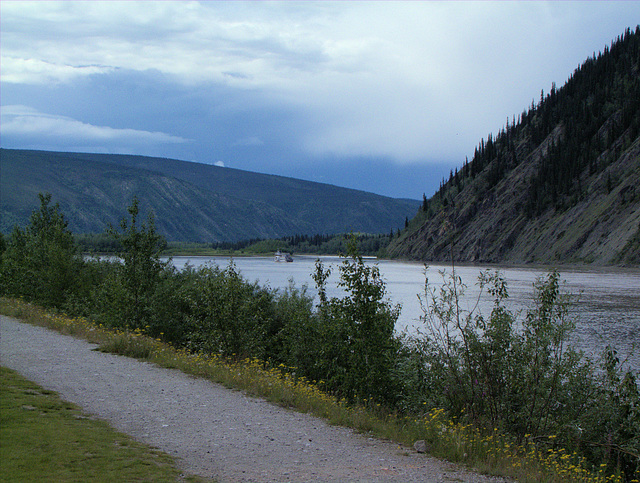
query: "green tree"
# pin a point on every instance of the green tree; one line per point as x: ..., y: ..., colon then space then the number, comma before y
x: 41, y: 262
x: 128, y: 293
x: 3, y: 245
x: 357, y: 347
x: 500, y: 370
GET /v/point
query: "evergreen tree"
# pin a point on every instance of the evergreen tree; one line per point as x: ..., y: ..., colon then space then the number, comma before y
x: 41, y: 262
x: 138, y: 276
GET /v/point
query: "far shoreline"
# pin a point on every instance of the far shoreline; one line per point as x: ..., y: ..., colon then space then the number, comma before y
x: 543, y: 266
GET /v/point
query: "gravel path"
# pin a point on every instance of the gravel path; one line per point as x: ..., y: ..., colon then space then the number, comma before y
x: 212, y: 431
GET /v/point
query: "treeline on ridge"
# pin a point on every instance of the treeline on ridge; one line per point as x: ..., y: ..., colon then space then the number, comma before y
x: 367, y: 244
x: 581, y: 113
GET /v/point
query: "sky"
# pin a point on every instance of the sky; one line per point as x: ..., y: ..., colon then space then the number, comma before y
x: 385, y: 97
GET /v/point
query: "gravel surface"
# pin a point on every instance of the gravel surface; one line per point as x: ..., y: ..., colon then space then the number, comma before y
x: 211, y: 431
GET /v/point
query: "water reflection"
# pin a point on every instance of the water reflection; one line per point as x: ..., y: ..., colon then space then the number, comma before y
x: 607, y: 312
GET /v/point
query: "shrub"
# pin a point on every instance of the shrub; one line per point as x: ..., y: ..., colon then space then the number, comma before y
x: 293, y: 344
x: 129, y: 290
x: 608, y: 430
x: 519, y: 375
x: 356, y: 348
x: 230, y: 316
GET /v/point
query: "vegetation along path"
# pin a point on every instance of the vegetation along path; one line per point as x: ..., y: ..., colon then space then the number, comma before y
x: 212, y: 431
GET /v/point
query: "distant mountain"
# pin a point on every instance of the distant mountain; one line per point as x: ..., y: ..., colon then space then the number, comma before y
x: 191, y: 201
x: 562, y: 184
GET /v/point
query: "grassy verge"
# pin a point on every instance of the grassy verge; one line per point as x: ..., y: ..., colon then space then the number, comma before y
x: 43, y: 438
x: 492, y: 453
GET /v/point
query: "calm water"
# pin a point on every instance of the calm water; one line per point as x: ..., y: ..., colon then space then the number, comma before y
x: 608, y: 308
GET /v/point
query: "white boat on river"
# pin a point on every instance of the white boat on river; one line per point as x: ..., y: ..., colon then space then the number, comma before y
x: 283, y: 257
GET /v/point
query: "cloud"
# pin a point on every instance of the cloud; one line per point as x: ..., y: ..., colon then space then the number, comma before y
x: 246, y: 45
x: 25, y: 123
x: 408, y: 81
x: 219, y: 163
x: 249, y: 141
x: 26, y: 71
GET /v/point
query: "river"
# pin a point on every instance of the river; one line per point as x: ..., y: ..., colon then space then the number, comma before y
x: 607, y: 311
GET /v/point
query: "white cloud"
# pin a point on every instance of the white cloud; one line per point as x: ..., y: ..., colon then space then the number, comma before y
x: 28, y: 71
x: 21, y: 122
x: 219, y: 163
x: 243, y: 45
x: 249, y: 141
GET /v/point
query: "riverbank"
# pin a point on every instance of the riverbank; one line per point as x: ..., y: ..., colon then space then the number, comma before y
x: 606, y: 302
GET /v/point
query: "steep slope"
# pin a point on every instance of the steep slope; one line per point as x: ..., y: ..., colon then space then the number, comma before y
x: 560, y: 185
x: 191, y: 202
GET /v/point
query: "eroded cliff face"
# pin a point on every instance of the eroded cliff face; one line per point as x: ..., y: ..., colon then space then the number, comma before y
x: 491, y: 225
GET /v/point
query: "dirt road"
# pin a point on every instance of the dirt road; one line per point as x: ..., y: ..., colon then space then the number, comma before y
x: 212, y: 431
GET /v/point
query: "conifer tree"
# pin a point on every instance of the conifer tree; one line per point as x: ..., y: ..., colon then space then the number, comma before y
x: 41, y: 262
x: 139, y: 275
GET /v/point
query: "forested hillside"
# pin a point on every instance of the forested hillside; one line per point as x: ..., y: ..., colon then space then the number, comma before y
x: 191, y: 201
x: 559, y: 184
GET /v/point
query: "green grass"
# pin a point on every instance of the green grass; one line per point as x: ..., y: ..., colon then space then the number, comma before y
x: 43, y: 438
x: 492, y: 453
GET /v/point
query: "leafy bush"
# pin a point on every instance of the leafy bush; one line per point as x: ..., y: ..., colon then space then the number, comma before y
x: 295, y: 342
x: 356, y: 348
x: 519, y: 375
x: 127, y: 293
x: 229, y: 316
x: 609, y: 427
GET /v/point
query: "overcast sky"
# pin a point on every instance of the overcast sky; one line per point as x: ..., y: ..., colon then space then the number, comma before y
x: 381, y: 96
